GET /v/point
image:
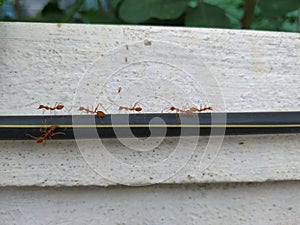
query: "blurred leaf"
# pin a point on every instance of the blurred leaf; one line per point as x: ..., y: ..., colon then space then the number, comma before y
x: 104, y: 5
x: 274, y: 8
x: 265, y: 23
x: 137, y: 11
x: 115, y: 3
x: 193, y: 3
x: 290, y: 22
x: 288, y: 26
x: 70, y: 15
x: 206, y: 15
x: 1, y: 2
x: 225, y: 4
x: 234, y: 10
x: 52, y: 13
x: 95, y: 16
x: 176, y: 22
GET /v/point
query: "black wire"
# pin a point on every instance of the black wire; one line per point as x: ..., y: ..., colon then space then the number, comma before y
x: 121, y: 125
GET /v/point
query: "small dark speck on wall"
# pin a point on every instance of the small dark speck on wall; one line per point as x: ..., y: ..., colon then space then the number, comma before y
x: 147, y: 43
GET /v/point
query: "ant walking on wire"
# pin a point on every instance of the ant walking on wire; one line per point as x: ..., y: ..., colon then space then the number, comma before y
x: 56, y: 107
x: 95, y: 111
x: 134, y: 107
x: 190, y: 110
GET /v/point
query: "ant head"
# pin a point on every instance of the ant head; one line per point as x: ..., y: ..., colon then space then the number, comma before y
x: 41, y: 107
x: 40, y: 140
x: 81, y: 108
x: 172, y: 108
x: 138, y: 109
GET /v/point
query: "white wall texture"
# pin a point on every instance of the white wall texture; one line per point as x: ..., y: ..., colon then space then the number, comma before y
x: 261, y: 203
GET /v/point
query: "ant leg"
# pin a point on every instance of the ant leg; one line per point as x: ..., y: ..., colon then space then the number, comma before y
x: 43, y: 128
x: 99, y: 104
x: 200, y: 108
x: 123, y: 107
x: 134, y: 105
x: 165, y: 109
x: 56, y: 133
x: 33, y: 137
x: 177, y: 116
x: 103, y: 107
x: 40, y: 139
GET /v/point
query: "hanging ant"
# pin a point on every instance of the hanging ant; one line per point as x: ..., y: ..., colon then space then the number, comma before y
x: 95, y: 111
x: 47, y: 134
x: 132, y: 108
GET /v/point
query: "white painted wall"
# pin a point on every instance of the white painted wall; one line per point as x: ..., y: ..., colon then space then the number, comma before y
x: 85, y: 64
x: 263, y: 203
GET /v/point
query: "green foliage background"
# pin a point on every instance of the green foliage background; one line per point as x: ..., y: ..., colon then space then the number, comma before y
x: 277, y: 15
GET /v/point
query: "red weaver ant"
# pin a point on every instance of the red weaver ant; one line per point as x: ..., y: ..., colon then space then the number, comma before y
x: 172, y: 108
x: 132, y: 108
x: 201, y: 109
x: 47, y: 134
x: 190, y: 110
x: 99, y: 113
x: 56, y: 107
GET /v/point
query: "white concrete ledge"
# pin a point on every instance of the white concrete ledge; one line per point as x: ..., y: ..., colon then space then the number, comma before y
x: 247, y: 71
x: 57, y: 163
x: 267, y: 203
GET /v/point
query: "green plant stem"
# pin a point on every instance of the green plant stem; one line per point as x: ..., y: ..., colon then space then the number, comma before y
x: 75, y: 9
x: 18, y: 10
x: 248, y: 13
x: 99, y: 5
